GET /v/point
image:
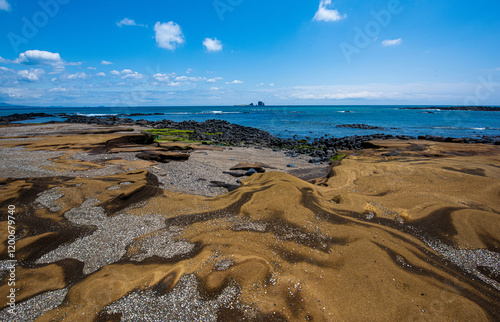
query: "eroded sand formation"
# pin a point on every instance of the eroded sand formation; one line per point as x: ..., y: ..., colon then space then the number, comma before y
x: 403, y: 231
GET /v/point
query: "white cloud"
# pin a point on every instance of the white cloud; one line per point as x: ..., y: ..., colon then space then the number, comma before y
x: 5, y: 69
x: 327, y: 15
x: 213, y: 80
x: 131, y: 74
x: 58, y: 89
x: 235, y: 82
x: 392, y: 42
x: 182, y: 79
x: 174, y: 84
x: 213, y: 88
x: 271, y: 84
x: 105, y: 62
x: 128, y: 22
x: 4, y: 5
x: 212, y: 45
x: 168, y: 35
x: 161, y: 77
x: 188, y: 71
x: 31, y: 75
x: 75, y: 64
x: 40, y: 57
x: 186, y: 79
x: 115, y: 73
x: 91, y: 68
x: 81, y: 75
x: 3, y: 60
x: 101, y: 74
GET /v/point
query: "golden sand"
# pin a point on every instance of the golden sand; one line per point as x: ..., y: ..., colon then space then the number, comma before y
x: 408, y: 236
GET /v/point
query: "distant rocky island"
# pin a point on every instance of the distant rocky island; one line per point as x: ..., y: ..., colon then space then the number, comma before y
x: 259, y: 103
x: 456, y: 108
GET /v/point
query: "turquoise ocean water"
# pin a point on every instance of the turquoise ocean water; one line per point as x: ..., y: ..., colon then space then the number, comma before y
x: 311, y: 121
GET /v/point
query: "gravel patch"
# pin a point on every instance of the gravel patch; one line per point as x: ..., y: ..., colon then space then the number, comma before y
x: 18, y: 162
x: 119, y: 186
x: 47, y: 199
x: 163, y: 244
x: 106, y: 245
x: 470, y: 260
x: 223, y: 265
x: 183, y: 303
x: 194, y: 175
x: 102, y: 157
x: 32, y: 309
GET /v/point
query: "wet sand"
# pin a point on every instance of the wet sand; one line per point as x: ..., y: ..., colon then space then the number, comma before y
x: 405, y: 230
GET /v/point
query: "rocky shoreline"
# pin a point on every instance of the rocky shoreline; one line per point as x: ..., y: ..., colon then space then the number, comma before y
x: 220, y: 132
x: 105, y: 235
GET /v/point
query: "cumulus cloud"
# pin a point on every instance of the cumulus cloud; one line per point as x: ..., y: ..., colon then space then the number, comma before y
x: 168, y: 35
x: 326, y: 14
x: 392, y: 42
x: 213, y: 80
x: 81, y: 75
x: 161, y: 77
x: 212, y: 45
x: 4, y: 5
x: 128, y: 22
x: 127, y: 73
x: 132, y: 75
x: 101, y: 74
x: 3, y: 60
x: 105, y: 62
x: 32, y: 75
x: 40, y: 57
x: 235, y: 82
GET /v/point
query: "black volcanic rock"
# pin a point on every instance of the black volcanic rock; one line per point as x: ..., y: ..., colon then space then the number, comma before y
x: 4, y: 120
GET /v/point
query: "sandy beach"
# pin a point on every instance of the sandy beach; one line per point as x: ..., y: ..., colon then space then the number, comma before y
x: 401, y: 230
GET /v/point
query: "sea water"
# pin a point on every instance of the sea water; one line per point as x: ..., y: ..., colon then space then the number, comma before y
x: 306, y: 121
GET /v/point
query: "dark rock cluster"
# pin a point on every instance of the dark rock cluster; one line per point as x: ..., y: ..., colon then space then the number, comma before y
x: 4, y: 120
x: 100, y: 120
x: 360, y: 126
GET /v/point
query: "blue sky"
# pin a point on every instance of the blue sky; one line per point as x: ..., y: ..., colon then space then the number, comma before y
x: 225, y: 52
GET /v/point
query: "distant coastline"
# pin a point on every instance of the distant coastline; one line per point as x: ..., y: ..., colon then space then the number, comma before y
x: 457, y: 108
